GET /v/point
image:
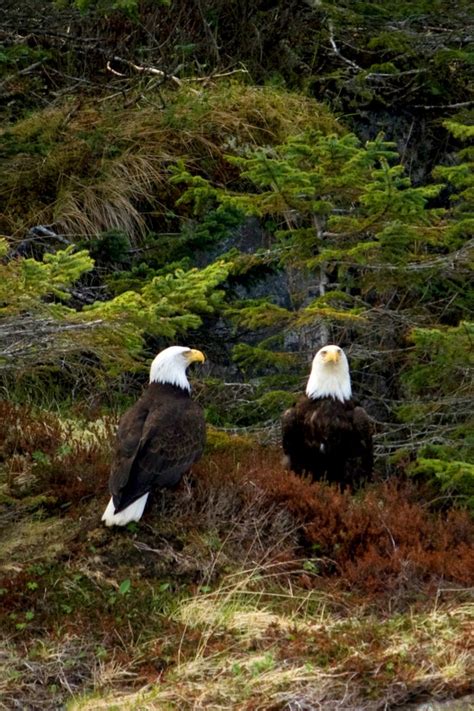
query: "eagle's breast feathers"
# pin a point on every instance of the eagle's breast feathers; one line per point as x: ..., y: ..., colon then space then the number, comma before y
x: 326, y: 434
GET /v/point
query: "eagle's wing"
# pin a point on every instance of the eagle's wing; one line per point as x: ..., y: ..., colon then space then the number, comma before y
x: 155, y: 449
x: 127, y: 443
x: 290, y: 430
x: 294, y: 430
x: 170, y: 444
x: 364, y: 428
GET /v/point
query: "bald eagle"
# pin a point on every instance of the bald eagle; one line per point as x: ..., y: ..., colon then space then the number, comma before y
x: 325, y: 433
x: 158, y: 438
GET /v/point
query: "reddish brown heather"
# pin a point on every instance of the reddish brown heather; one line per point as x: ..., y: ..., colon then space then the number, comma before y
x: 43, y: 456
x: 386, y: 539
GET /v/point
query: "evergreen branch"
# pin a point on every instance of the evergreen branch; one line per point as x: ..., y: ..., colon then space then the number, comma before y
x: 450, y: 261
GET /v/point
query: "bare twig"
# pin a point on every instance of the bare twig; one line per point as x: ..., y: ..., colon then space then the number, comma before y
x: 458, y: 105
x: 142, y: 70
x: 21, y: 72
x: 337, y: 51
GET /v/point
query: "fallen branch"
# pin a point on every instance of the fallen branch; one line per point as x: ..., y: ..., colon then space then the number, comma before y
x: 159, y: 72
x: 142, y: 70
x: 458, y: 105
x: 217, y: 76
x: 21, y: 72
x: 337, y: 51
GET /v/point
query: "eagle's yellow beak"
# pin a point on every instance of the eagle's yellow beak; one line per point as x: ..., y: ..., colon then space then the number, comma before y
x: 195, y: 356
x: 333, y: 356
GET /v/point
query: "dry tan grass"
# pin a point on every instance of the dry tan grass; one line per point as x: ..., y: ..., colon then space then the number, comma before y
x: 69, y: 664
x: 267, y: 651
x: 105, y: 166
x: 24, y: 541
x: 113, y: 202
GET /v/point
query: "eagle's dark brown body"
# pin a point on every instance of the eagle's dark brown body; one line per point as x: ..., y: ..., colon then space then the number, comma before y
x: 158, y: 440
x: 328, y: 439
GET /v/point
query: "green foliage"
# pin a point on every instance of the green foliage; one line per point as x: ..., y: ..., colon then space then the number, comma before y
x: 167, y: 305
x: 460, y: 130
x: 214, y: 225
x: 124, y: 587
x: 130, y: 8
x: 347, y: 217
x: 110, y: 247
x: 330, y: 307
x: 440, y: 377
x: 394, y: 55
x: 453, y: 479
x: 265, y: 407
x: 163, y: 306
x: 24, y: 283
x: 442, y: 361
x: 41, y: 330
x: 461, y: 176
x: 342, y: 212
x: 255, y: 360
x: 20, y: 55
x: 335, y: 201
x: 258, y: 313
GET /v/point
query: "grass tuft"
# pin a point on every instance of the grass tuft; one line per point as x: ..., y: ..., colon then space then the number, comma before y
x: 90, y: 169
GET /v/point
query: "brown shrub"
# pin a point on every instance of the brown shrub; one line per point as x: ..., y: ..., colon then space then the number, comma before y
x: 383, y: 539
x: 246, y: 508
x: 45, y: 456
x: 22, y: 432
x: 76, y: 471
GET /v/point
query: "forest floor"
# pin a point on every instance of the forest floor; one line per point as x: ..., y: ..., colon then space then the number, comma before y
x: 246, y: 588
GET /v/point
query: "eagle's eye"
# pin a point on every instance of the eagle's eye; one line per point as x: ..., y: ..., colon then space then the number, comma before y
x: 324, y: 353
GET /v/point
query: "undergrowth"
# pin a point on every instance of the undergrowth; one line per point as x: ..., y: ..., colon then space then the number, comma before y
x: 247, y: 587
x: 386, y: 538
x: 43, y: 455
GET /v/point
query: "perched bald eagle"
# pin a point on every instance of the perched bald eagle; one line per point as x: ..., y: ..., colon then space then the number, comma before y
x: 158, y: 438
x: 325, y: 433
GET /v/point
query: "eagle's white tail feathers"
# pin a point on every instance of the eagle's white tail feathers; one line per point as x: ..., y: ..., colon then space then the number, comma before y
x: 134, y: 512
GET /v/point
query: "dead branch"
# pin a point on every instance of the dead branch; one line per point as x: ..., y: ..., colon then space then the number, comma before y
x: 218, y: 75
x: 25, y: 336
x: 21, y: 72
x: 142, y: 70
x: 337, y: 51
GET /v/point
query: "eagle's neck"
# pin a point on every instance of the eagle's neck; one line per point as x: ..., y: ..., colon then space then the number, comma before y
x: 169, y: 373
x: 329, y: 381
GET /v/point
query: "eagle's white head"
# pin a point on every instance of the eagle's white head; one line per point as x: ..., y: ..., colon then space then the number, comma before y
x: 329, y: 375
x: 170, y: 366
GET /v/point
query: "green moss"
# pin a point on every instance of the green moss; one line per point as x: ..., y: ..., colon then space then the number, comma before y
x: 28, y: 539
x: 218, y: 440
